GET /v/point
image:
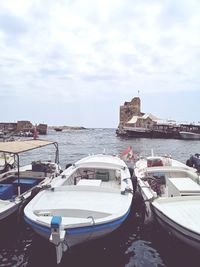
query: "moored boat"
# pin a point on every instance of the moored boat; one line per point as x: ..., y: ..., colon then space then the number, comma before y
x: 18, y: 184
x: 58, y: 129
x: 171, y: 194
x: 90, y: 199
x: 189, y: 135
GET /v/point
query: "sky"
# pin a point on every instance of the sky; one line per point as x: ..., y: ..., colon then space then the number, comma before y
x: 74, y: 62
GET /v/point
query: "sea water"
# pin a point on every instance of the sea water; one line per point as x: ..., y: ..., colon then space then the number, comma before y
x: 133, y: 244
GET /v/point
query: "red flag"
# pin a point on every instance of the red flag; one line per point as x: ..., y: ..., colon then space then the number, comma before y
x: 127, y: 154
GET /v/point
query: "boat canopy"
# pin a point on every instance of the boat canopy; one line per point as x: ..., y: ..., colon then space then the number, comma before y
x: 16, y: 147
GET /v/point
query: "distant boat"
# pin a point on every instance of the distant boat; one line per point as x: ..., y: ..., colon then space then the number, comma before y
x: 189, y: 135
x: 58, y: 129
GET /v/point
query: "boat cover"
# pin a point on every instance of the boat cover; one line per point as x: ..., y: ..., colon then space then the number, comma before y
x: 15, y: 147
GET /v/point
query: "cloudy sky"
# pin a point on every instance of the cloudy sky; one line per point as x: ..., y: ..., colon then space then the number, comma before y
x: 74, y: 62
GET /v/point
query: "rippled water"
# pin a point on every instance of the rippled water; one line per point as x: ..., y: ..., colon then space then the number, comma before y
x: 131, y: 245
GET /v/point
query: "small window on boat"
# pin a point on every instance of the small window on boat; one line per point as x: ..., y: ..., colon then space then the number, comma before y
x: 102, y: 175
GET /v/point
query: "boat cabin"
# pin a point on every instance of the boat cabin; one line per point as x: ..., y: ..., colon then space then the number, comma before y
x: 99, y: 175
x: 172, y: 181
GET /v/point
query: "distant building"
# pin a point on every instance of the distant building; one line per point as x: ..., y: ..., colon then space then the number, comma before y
x: 130, y: 109
x: 22, y: 126
x: 134, y: 123
x: 42, y: 128
x: 131, y: 115
x: 145, y: 121
x: 8, y: 126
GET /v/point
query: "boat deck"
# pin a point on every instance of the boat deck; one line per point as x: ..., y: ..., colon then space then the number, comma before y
x: 184, y: 211
x: 94, y: 182
x: 184, y: 186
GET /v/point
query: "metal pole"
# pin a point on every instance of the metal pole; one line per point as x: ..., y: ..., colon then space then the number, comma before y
x: 57, y: 153
x: 18, y: 186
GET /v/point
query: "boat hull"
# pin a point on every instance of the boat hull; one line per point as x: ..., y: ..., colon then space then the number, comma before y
x: 138, y: 134
x: 180, y: 232
x: 76, y: 236
x: 190, y: 136
x: 8, y: 212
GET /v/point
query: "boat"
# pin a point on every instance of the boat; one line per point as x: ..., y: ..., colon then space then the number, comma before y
x: 189, y: 135
x: 171, y: 194
x: 19, y: 184
x: 89, y: 200
x: 58, y: 129
x: 137, y: 132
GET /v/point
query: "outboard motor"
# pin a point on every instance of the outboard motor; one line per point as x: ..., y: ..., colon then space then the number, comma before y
x: 189, y: 162
x: 194, y: 161
x: 57, y: 237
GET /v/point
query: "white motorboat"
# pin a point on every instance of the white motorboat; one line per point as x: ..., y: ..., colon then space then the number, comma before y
x: 89, y: 200
x: 17, y: 185
x: 189, y: 135
x: 171, y: 194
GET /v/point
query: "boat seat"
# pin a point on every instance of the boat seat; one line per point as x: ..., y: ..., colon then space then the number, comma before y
x: 32, y: 174
x: 25, y: 184
x: 90, y: 182
x: 6, y: 191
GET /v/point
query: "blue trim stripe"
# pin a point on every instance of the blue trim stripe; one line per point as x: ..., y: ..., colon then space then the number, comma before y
x: 36, y: 226
x: 93, y: 228
x: 79, y: 230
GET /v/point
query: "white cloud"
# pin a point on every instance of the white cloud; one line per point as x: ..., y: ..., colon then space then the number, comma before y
x: 87, y: 51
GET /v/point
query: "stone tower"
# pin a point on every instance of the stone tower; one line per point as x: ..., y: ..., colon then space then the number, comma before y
x: 130, y: 109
